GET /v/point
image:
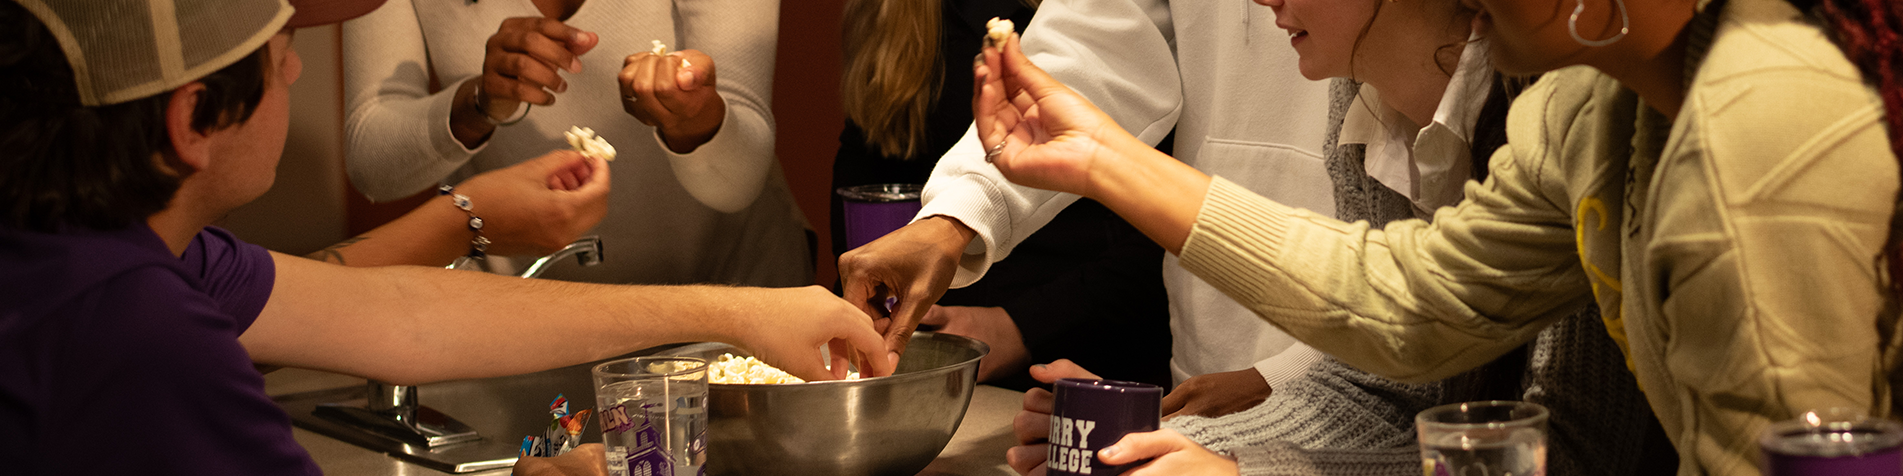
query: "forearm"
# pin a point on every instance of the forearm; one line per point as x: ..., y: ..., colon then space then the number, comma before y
x: 431, y: 235
x: 728, y: 170
x: 725, y: 157
x: 398, y: 132
x: 1154, y: 192
x: 411, y: 325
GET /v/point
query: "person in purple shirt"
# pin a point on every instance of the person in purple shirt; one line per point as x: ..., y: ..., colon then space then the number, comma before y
x: 129, y: 328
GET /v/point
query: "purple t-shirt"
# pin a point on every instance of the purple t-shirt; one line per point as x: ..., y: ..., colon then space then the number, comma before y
x: 118, y: 358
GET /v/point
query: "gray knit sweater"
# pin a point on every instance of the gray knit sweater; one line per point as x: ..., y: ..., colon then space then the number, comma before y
x: 1337, y: 420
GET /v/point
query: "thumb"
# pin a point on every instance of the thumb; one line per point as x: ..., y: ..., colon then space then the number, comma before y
x: 554, y: 161
x: 936, y: 316
x: 582, y: 41
x: 1141, y: 446
x: 696, y: 70
x: 1061, y: 369
x: 597, y: 183
x: 1020, y: 74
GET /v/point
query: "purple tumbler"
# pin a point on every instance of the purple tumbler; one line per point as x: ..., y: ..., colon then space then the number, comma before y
x: 874, y: 210
x: 1835, y: 442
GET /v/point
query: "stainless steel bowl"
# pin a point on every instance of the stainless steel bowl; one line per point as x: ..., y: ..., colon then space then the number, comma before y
x: 893, y: 425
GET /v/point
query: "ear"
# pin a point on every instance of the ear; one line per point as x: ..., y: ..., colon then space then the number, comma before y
x: 191, y: 147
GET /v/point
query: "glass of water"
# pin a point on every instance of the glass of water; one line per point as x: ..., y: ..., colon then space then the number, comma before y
x: 1494, y: 438
x: 653, y: 415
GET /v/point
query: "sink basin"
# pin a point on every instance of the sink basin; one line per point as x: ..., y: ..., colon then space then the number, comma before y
x: 502, y: 410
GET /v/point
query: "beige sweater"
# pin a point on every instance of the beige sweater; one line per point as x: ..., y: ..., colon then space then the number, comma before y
x: 1737, y: 245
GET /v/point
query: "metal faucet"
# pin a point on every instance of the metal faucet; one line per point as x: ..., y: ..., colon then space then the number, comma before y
x: 392, y: 411
x: 587, y: 252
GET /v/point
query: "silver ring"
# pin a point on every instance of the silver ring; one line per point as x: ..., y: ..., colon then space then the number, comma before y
x: 992, y: 155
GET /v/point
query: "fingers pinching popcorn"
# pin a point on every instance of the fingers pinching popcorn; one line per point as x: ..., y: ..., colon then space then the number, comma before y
x: 585, y: 140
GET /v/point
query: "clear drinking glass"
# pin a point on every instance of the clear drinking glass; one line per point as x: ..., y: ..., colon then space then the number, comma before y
x: 1493, y: 438
x: 653, y: 415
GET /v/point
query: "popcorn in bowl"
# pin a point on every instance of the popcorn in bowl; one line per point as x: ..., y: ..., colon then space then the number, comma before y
x: 731, y: 369
x: 585, y: 141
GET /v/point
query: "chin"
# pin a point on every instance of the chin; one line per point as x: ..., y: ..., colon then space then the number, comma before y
x: 1508, y: 61
x: 1312, y: 73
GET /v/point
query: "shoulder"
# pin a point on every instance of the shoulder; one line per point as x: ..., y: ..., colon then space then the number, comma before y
x: 1776, y: 105
x: 1569, y: 116
x: 1554, y: 109
x: 1760, y: 39
x: 237, y: 275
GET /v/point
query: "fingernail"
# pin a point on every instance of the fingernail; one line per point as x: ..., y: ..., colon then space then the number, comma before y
x: 687, y: 76
x: 574, y: 65
x: 1107, y: 452
x: 1041, y: 367
x: 563, y: 87
x: 893, y: 357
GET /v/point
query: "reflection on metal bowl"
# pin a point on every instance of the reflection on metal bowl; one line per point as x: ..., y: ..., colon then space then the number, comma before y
x: 892, y: 425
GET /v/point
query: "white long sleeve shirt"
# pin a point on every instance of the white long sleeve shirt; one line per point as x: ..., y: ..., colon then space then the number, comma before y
x: 722, y: 213
x: 1224, y: 78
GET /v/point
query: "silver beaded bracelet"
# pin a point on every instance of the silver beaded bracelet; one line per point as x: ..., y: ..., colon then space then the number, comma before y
x: 478, y: 246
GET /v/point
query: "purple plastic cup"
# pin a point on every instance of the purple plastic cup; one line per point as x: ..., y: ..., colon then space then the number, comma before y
x: 1836, y: 442
x: 1091, y: 414
x: 874, y: 210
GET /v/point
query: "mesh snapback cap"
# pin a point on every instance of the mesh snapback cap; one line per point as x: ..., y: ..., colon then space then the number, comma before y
x: 121, y: 50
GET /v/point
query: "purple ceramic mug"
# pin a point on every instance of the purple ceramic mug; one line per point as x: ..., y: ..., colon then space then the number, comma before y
x: 1092, y: 414
x: 871, y: 211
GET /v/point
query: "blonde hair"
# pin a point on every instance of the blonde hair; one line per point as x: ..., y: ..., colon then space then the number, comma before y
x: 892, y: 70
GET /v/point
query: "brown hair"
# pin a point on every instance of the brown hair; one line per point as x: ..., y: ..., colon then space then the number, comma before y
x: 95, y: 167
x: 892, y: 70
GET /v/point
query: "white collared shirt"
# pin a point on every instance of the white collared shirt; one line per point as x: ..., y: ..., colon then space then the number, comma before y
x: 1428, y: 165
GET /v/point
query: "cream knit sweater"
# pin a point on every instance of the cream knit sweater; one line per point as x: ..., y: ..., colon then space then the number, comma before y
x: 720, y: 214
x: 1737, y: 245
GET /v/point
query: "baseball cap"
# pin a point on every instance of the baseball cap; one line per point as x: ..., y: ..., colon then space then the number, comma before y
x: 121, y: 50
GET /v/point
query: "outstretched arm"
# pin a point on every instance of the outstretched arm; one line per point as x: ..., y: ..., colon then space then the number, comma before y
x: 409, y: 324
x: 1414, y: 302
x: 534, y: 207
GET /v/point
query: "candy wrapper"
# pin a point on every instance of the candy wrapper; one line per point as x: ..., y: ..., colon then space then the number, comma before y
x: 563, y: 434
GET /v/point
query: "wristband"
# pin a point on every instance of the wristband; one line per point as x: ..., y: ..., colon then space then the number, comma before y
x: 478, y: 246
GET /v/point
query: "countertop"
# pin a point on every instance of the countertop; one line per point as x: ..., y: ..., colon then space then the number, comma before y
x: 977, y: 449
